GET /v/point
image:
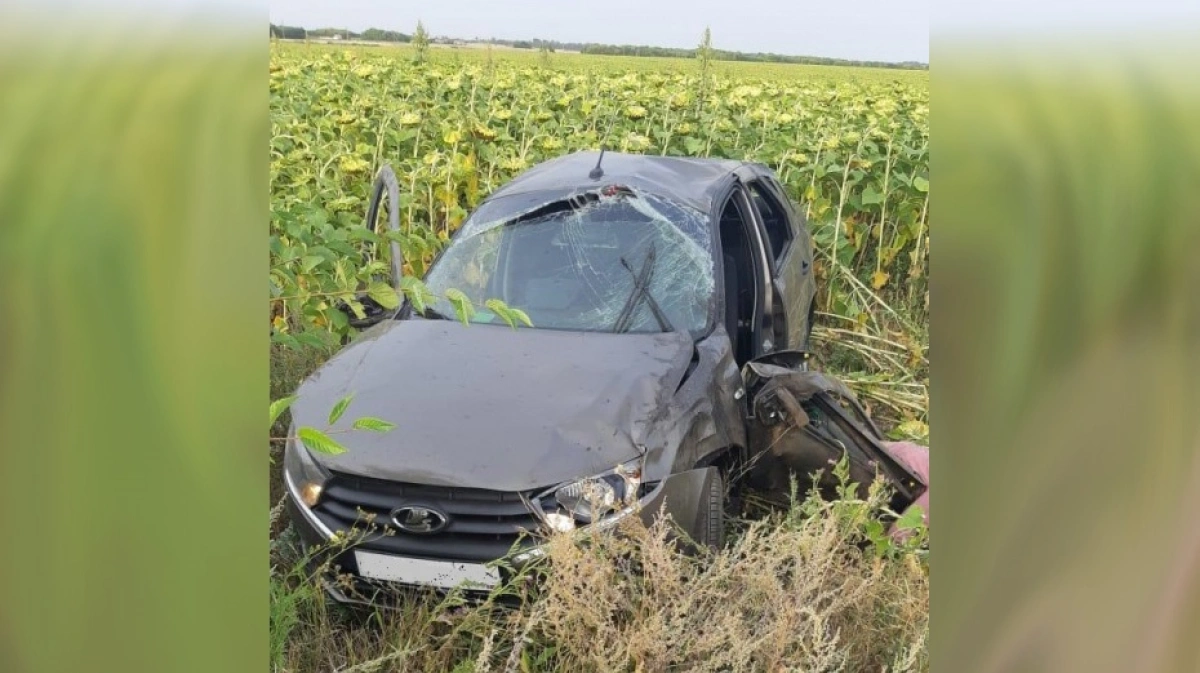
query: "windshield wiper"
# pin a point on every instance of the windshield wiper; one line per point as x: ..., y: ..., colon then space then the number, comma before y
x: 641, y: 290
x: 430, y: 313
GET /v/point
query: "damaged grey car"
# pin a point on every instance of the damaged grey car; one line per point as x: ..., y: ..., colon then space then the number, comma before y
x: 650, y: 282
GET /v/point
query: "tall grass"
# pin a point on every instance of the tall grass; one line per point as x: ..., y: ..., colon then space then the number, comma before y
x: 797, y: 590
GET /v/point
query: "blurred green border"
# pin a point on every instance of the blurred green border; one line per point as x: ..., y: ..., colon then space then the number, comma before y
x: 133, y: 357
x: 133, y: 354
x: 1065, y: 359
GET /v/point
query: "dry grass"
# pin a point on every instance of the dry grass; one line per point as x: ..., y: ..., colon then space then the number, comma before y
x: 884, y: 362
x: 794, y: 591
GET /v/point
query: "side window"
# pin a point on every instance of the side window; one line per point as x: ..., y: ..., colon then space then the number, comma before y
x: 774, y: 217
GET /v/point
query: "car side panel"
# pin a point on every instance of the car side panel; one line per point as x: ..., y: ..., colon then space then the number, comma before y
x: 705, y: 416
x: 795, y: 271
x: 794, y: 292
x: 792, y: 276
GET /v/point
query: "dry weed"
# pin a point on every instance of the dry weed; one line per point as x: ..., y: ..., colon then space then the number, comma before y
x: 792, y: 592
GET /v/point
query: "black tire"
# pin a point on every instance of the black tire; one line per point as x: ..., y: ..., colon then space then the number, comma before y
x: 710, y: 525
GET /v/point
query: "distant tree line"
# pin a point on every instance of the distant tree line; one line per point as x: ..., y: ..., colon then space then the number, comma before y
x: 723, y: 55
x: 716, y: 54
x: 288, y: 32
x: 370, y: 34
x: 548, y: 45
x: 378, y: 35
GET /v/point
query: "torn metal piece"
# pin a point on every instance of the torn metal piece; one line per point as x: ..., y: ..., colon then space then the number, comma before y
x: 796, y: 413
x: 805, y: 421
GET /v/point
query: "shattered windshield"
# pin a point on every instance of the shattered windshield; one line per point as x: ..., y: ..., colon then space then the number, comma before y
x: 616, y: 260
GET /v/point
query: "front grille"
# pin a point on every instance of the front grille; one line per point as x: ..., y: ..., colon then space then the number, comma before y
x: 482, y: 525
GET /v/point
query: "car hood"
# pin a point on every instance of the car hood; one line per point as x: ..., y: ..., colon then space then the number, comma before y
x: 486, y: 406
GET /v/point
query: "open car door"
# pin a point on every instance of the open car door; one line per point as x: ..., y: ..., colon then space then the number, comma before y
x: 803, y: 421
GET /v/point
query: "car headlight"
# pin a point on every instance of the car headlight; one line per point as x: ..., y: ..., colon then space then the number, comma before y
x: 587, y: 500
x: 306, y: 477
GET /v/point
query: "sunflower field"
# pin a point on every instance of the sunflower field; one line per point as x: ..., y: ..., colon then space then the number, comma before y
x: 850, y: 144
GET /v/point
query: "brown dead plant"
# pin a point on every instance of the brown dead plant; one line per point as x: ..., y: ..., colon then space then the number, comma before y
x: 800, y: 590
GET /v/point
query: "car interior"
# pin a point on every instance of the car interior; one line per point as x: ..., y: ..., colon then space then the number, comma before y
x: 575, y: 279
x: 741, y: 296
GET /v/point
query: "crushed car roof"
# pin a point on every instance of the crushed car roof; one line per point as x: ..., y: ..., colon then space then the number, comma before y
x: 691, y: 181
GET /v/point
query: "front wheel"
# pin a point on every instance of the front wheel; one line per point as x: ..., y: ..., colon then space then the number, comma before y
x: 710, y: 524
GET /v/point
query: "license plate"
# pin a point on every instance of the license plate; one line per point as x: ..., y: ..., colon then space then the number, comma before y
x: 444, y: 574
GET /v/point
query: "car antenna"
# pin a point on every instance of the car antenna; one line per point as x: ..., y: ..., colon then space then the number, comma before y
x: 597, y: 172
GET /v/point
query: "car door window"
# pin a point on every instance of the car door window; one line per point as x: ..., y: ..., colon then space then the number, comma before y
x: 774, y: 218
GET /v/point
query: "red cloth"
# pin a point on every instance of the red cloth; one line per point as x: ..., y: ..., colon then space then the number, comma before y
x: 916, y: 458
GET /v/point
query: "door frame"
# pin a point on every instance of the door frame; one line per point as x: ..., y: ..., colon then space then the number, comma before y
x: 773, y: 321
x: 764, y: 305
x: 798, y: 248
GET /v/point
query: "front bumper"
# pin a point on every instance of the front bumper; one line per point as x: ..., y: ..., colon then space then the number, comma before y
x: 679, y: 496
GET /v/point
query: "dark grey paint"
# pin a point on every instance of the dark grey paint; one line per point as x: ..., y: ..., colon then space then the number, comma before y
x: 692, y: 181
x: 489, y: 407
x: 484, y: 406
x: 794, y: 287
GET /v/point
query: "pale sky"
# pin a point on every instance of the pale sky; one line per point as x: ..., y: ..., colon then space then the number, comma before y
x: 869, y: 30
x: 962, y: 18
x: 874, y: 30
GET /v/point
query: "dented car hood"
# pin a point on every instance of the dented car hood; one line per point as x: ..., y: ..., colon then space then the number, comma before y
x: 490, y: 407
